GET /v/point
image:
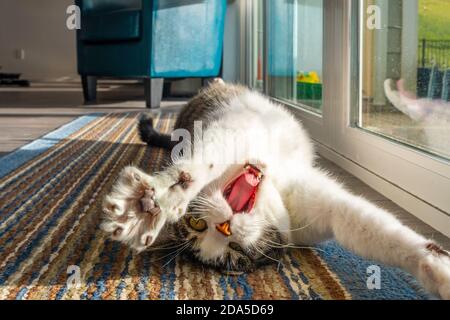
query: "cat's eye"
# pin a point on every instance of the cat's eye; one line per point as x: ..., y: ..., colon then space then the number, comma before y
x: 235, y: 246
x: 197, y: 224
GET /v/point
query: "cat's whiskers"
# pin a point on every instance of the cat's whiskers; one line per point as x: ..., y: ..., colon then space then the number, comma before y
x: 177, y: 253
x: 199, y: 213
x: 199, y: 201
x: 199, y: 217
x: 274, y: 244
x: 230, y: 266
x: 202, y: 200
x: 198, y: 208
x: 181, y: 246
x: 302, y: 228
x: 257, y: 225
x: 268, y: 257
x: 167, y: 247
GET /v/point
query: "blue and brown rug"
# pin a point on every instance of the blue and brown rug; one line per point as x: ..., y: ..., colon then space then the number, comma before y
x: 52, y: 248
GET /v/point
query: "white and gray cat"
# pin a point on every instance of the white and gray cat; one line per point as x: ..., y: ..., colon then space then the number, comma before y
x: 238, y: 214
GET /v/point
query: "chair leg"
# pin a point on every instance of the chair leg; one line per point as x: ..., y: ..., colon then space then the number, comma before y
x: 167, y: 87
x: 153, y: 92
x: 89, y: 89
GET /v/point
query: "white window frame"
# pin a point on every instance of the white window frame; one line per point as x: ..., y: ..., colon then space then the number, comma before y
x: 416, y: 181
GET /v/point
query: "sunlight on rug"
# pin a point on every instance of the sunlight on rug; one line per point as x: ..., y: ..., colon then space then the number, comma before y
x: 52, y: 248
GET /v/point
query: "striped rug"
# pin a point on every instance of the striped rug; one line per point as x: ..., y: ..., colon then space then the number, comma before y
x: 52, y: 248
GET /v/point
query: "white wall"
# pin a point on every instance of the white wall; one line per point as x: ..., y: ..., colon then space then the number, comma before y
x: 38, y: 27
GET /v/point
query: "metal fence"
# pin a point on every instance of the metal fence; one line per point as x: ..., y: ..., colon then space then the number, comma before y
x: 434, y: 53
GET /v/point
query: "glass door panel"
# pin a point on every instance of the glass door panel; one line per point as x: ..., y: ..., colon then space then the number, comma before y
x: 295, y: 52
x: 405, y: 72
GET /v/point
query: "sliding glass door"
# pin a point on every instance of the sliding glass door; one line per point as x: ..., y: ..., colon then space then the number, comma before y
x: 285, y: 62
x: 295, y: 58
x: 405, y: 73
x: 370, y: 81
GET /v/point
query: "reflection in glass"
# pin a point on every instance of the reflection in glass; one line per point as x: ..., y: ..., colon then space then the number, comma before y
x: 405, y: 78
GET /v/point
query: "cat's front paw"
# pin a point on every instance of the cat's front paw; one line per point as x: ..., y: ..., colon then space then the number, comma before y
x: 132, y: 214
x: 434, y: 271
x: 176, y: 200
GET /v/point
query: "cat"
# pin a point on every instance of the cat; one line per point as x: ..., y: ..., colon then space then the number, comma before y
x: 236, y: 215
x: 431, y: 115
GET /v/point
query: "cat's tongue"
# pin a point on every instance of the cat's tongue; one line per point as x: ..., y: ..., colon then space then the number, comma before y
x: 241, y: 192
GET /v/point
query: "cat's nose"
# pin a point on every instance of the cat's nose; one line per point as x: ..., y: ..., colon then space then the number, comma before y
x: 224, y: 228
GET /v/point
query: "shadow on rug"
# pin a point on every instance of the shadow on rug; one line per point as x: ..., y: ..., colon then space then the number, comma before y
x: 52, y: 248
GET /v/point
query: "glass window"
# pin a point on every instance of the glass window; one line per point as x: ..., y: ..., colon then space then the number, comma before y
x: 405, y: 72
x: 258, y: 45
x: 295, y: 49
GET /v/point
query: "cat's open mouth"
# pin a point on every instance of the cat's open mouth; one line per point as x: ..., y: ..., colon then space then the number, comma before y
x: 241, y: 192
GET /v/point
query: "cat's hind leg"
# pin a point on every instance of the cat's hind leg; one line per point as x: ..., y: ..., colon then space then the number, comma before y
x: 369, y: 231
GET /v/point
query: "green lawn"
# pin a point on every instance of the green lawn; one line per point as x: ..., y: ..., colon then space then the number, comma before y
x: 434, y: 19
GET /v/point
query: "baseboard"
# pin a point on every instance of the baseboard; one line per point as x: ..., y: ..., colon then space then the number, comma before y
x: 419, y: 208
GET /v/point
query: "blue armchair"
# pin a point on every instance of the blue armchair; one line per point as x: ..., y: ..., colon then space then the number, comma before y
x: 149, y: 39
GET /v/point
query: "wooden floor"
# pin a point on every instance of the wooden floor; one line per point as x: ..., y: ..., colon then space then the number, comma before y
x: 26, y: 114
